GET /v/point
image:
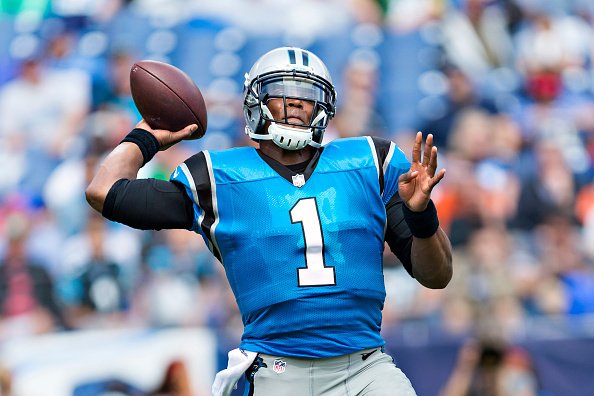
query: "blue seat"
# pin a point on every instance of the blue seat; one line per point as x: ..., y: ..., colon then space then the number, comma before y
x: 196, y: 48
x: 256, y: 46
x: 334, y: 51
x: 128, y: 31
x: 8, y: 65
x: 400, y: 69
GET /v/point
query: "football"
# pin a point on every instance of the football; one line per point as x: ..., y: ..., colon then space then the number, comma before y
x: 167, y: 98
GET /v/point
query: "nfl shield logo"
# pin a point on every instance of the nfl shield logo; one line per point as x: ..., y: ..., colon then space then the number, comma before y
x: 279, y: 366
x: 298, y: 180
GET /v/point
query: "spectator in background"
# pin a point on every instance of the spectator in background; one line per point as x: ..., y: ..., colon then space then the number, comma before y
x: 559, y: 251
x: 551, y: 41
x: 61, y: 36
x: 100, y: 291
x: 62, y: 191
x: 112, y: 106
x: 59, y: 99
x: 585, y: 215
x: 176, y: 382
x: 190, y: 256
x: 112, y: 90
x: 476, y: 39
x: 357, y: 114
x: 491, y: 369
x: 5, y: 382
x: 484, y: 188
x: 462, y: 95
x: 28, y: 304
x: 552, y: 55
x: 485, y: 278
x: 168, y: 290
x: 548, y: 191
x: 97, y: 270
x: 409, y: 15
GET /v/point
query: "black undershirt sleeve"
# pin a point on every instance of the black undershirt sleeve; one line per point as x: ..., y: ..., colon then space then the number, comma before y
x: 398, y: 234
x: 149, y: 204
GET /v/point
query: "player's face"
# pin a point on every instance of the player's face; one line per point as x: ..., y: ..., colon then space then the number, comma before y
x: 298, y: 112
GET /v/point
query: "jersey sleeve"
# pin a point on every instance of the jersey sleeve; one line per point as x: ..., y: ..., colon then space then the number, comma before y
x: 196, y: 175
x: 192, y: 174
x: 392, y: 163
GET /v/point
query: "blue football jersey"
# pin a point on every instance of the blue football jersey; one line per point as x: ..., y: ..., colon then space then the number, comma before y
x: 303, y: 256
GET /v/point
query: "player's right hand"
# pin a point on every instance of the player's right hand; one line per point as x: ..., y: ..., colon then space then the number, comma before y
x: 165, y: 138
x: 415, y: 186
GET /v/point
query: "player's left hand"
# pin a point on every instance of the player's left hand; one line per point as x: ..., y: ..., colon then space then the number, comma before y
x: 415, y: 185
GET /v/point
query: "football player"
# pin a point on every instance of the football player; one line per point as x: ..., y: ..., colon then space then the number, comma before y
x: 299, y: 228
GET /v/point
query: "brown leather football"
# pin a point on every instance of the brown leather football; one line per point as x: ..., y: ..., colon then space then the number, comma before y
x: 167, y: 98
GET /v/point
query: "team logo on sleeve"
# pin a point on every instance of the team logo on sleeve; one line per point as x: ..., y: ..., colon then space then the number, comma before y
x: 279, y: 366
x: 299, y: 180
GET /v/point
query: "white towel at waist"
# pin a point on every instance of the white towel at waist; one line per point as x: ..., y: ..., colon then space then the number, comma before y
x: 226, y: 380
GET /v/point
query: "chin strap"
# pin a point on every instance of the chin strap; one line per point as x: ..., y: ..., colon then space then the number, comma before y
x: 285, y: 136
x: 289, y: 138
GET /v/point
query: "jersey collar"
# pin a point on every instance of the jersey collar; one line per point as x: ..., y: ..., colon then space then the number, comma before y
x: 286, y: 172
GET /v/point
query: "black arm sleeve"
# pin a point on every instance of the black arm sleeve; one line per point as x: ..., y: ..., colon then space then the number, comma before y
x: 149, y: 204
x: 398, y: 233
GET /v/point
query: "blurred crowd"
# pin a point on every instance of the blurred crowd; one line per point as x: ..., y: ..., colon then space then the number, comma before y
x: 505, y: 86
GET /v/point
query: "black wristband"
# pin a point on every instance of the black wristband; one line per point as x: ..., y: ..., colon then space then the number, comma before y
x: 422, y: 224
x: 146, y: 141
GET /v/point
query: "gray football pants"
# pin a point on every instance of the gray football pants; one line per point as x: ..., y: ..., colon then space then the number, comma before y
x: 370, y: 372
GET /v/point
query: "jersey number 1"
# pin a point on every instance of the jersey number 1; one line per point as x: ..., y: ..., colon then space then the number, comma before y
x: 315, y: 273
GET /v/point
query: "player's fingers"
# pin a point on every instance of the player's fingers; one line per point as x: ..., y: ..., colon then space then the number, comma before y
x: 174, y: 137
x: 187, y: 131
x: 437, y: 178
x: 428, y: 148
x: 168, y: 138
x: 408, y: 176
x: 432, y: 166
x: 416, y: 153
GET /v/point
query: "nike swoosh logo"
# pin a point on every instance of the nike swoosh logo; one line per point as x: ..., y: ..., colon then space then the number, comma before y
x: 364, y: 356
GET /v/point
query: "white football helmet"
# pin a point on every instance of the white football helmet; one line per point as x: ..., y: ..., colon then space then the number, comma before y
x: 288, y: 72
